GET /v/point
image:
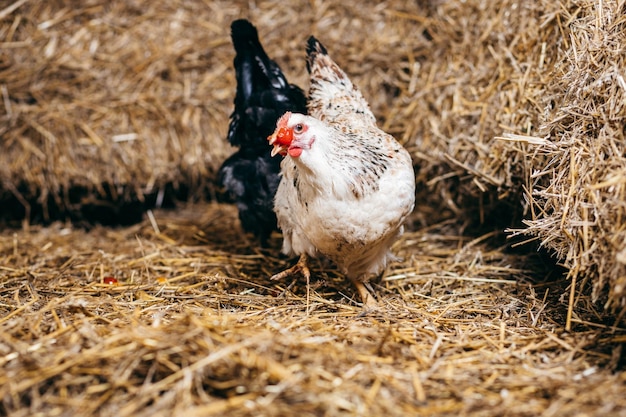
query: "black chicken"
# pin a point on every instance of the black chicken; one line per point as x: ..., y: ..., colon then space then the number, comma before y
x: 250, y: 176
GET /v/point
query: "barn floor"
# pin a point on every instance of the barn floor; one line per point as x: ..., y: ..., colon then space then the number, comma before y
x: 176, y: 316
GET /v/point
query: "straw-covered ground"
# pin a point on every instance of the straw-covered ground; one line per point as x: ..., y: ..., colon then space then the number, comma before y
x: 112, y: 110
x: 192, y: 326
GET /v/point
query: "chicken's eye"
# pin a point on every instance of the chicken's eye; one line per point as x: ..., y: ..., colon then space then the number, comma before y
x: 298, y: 128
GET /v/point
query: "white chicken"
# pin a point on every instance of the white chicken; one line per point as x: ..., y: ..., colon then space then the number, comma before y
x: 346, y: 185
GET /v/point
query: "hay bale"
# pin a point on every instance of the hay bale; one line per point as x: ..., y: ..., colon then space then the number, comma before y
x: 520, y: 106
x: 118, y: 102
x: 576, y: 177
x: 478, y: 68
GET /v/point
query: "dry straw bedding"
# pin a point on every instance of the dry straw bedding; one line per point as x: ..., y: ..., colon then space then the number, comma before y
x: 194, y: 326
x: 512, y: 110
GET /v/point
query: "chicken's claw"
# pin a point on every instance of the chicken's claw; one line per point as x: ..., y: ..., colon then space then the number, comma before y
x: 300, y: 267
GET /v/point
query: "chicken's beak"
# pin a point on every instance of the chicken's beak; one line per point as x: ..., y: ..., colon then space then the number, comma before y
x: 278, y: 149
x: 280, y: 140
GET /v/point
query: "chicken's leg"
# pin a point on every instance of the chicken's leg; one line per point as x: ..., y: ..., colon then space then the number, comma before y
x: 369, y: 302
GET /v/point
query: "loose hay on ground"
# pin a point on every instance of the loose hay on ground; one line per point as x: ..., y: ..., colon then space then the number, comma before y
x: 195, y: 327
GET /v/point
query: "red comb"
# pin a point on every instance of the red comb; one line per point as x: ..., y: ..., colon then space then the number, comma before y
x: 284, y: 119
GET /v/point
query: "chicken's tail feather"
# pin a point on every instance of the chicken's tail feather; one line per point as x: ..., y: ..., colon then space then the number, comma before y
x: 322, y: 68
x: 252, y: 60
x: 332, y: 96
x: 244, y: 35
x: 263, y: 93
x: 313, y: 49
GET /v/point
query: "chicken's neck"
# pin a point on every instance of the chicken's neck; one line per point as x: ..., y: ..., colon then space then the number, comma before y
x: 351, y: 174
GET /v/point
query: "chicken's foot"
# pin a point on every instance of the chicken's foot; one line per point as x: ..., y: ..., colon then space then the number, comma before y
x: 369, y: 302
x: 300, y: 267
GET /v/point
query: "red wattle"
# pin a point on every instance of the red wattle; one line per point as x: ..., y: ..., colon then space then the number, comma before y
x: 294, y: 152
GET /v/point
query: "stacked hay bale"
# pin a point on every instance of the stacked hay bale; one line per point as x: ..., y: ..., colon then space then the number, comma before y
x: 521, y: 104
x: 550, y: 76
x: 482, y: 70
x: 123, y: 105
x: 108, y: 104
x: 577, y: 187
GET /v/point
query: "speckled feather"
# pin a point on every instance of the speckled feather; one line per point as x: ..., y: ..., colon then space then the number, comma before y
x: 347, y: 194
x: 332, y: 96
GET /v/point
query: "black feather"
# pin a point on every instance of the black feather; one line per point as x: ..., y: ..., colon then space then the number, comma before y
x: 250, y: 176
